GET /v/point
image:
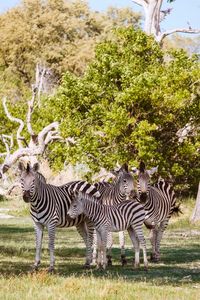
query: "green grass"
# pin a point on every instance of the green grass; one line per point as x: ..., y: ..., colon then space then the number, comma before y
x: 176, y: 277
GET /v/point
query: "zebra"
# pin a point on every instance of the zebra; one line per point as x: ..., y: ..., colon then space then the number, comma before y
x: 127, y: 215
x: 48, y: 208
x: 112, y: 194
x: 159, y: 203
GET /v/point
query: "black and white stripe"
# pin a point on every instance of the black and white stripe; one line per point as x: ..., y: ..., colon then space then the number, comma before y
x: 112, y: 194
x: 127, y: 215
x: 159, y: 203
x: 49, y: 205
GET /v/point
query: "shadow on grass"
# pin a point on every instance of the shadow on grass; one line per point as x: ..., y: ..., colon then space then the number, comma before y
x: 17, y: 249
x: 70, y: 262
x: 8, y: 230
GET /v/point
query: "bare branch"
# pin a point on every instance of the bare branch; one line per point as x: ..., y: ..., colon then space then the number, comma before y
x: 141, y: 2
x: 44, y: 132
x: 12, y: 187
x: 154, y: 15
x: 13, y: 119
x: 30, y: 111
x: 52, y: 136
x: 41, y: 84
x: 5, y: 139
x: 164, y: 13
x: 161, y: 36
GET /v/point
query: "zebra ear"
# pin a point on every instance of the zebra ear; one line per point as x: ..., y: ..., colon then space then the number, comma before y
x: 21, y: 166
x: 142, y: 167
x: 124, y: 167
x: 153, y: 170
x: 36, y: 167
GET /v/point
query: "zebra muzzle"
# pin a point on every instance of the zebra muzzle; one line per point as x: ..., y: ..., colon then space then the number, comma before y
x: 143, y: 197
x: 26, y: 196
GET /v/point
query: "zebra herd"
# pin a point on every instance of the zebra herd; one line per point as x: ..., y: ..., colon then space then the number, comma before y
x: 100, y: 208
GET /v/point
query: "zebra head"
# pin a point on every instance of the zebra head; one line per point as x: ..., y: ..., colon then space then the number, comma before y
x: 124, y: 180
x: 143, y: 181
x: 27, y: 178
x: 76, y: 207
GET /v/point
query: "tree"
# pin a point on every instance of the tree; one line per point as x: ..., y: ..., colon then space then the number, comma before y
x: 190, y: 44
x: 20, y: 148
x: 129, y: 106
x: 154, y: 15
x: 60, y: 34
x: 196, y: 212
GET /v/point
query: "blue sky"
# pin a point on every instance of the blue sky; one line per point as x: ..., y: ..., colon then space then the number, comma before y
x: 183, y: 10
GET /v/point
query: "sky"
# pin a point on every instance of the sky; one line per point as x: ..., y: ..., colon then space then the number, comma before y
x: 184, y: 11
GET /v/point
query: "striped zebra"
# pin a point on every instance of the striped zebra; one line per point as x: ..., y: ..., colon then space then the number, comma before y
x: 127, y: 215
x: 159, y: 203
x: 112, y: 194
x: 48, y: 208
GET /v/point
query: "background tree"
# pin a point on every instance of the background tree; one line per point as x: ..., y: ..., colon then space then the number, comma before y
x: 131, y: 104
x: 154, y: 14
x: 61, y: 34
x: 190, y: 44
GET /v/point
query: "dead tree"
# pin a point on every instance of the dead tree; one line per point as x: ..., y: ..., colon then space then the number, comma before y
x: 154, y: 15
x: 196, y: 212
x: 37, y: 142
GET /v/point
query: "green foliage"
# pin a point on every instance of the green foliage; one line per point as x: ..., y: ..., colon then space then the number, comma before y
x: 129, y: 105
x: 61, y: 34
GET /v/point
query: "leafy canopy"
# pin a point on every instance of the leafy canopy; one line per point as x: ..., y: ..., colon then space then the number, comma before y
x: 128, y: 106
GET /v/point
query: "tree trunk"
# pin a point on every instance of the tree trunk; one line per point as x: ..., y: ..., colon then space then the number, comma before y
x: 196, y: 212
x: 154, y: 15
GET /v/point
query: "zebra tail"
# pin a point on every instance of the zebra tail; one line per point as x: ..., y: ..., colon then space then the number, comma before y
x: 176, y: 210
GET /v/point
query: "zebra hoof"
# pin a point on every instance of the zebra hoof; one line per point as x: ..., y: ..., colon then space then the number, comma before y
x: 86, y: 266
x: 123, y: 260
x: 34, y: 268
x: 109, y: 261
x: 136, y: 266
x: 154, y: 258
x: 51, y: 270
x: 99, y: 267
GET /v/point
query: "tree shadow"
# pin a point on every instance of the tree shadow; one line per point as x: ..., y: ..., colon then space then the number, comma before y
x: 70, y: 262
x: 179, y: 263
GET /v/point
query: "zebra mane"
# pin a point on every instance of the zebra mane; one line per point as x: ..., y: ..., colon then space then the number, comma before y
x: 142, y: 167
x: 41, y: 177
x: 85, y: 196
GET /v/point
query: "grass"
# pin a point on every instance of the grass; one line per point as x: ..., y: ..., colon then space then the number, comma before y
x: 176, y: 277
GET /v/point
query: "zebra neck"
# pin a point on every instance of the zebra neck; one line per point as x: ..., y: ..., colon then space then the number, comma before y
x: 113, y: 195
x: 92, y: 210
x: 38, y: 194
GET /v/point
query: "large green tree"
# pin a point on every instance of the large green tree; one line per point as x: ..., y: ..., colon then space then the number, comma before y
x: 130, y: 104
x: 60, y: 33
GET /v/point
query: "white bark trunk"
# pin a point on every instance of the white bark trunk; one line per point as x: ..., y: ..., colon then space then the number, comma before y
x: 196, y: 212
x: 153, y: 17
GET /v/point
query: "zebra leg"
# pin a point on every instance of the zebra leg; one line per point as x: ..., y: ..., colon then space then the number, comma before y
x: 99, y: 246
x: 90, y: 239
x: 160, y: 232
x: 122, y: 246
x: 136, y: 246
x: 104, y: 236
x: 51, y: 233
x: 109, y: 248
x: 94, y: 253
x: 153, y: 238
x: 86, y: 231
x: 38, y: 241
x: 140, y: 236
